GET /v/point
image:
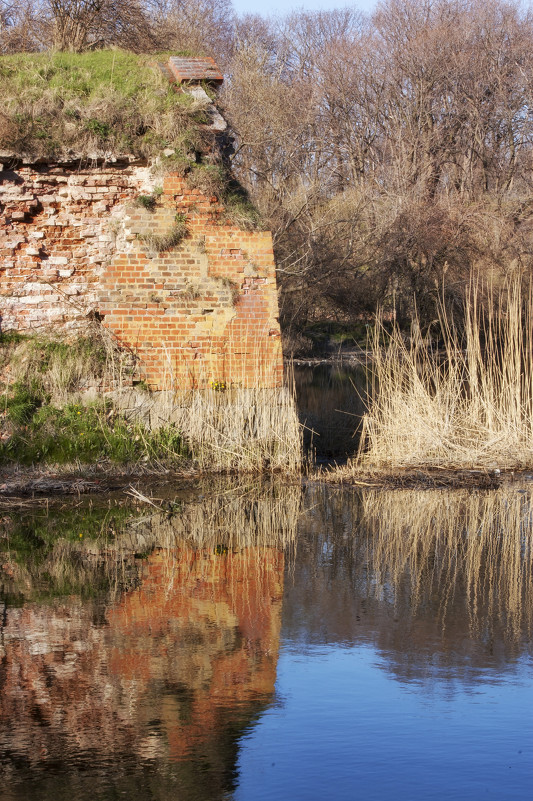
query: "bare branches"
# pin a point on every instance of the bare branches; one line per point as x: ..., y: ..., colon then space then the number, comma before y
x: 387, y: 153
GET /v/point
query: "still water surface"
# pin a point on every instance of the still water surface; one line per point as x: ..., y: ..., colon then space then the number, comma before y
x: 331, y: 401
x: 269, y: 642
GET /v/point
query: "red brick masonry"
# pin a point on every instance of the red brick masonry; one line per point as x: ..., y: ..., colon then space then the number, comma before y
x: 76, y: 241
x: 195, y: 69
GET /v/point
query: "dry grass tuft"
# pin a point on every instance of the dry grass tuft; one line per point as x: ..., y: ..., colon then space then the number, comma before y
x: 468, y: 406
x: 61, y: 369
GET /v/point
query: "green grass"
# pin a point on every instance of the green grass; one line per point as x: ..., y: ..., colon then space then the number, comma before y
x: 21, y: 403
x: 106, y: 99
x: 93, y: 434
x: 44, y: 420
x: 11, y: 338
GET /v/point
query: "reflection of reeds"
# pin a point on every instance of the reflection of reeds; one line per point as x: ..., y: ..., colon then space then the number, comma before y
x: 224, y: 519
x: 471, y: 405
x: 84, y: 565
x: 455, y: 545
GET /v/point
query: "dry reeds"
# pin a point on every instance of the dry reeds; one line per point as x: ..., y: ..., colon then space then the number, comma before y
x: 470, y: 405
x: 240, y: 429
x: 244, y: 429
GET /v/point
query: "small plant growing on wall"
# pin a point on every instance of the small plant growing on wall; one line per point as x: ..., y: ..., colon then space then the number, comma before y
x: 158, y: 243
x: 149, y: 202
x: 233, y: 287
x: 192, y: 292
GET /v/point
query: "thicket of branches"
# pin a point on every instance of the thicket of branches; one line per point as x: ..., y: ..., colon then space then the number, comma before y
x: 143, y: 26
x: 392, y: 156
x: 389, y: 155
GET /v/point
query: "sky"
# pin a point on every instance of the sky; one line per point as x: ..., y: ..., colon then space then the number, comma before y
x: 267, y: 7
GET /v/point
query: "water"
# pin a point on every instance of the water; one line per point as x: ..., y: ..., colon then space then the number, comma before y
x: 266, y: 641
x: 330, y: 399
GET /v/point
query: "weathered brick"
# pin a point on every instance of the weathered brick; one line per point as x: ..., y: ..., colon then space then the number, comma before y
x: 215, y: 290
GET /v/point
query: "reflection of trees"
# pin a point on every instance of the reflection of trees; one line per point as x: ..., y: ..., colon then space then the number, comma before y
x: 321, y: 392
x: 439, y: 581
x: 152, y: 686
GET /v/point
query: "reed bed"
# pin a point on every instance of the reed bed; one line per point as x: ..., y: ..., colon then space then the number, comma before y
x: 243, y: 429
x: 248, y: 429
x: 467, y: 405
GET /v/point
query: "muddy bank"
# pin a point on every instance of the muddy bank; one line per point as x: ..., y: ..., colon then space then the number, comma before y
x: 26, y: 485
x: 38, y: 487
x: 423, y: 478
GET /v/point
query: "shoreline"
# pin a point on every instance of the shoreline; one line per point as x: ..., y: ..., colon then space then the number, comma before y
x: 26, y: 487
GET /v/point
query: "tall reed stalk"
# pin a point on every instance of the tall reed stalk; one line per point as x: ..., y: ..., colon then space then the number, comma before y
x: 468, y: 405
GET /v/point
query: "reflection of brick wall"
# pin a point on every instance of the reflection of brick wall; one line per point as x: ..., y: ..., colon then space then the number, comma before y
x: 194, y: 646
x: 73, y: 242
x: 231, y: 604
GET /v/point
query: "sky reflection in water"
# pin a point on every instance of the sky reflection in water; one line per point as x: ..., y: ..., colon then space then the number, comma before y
x: 347, y: 729
x: 261, y: 643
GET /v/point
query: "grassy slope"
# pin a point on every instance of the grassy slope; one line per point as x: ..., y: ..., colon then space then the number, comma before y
x: 44, y: 417
x: 108, y: 101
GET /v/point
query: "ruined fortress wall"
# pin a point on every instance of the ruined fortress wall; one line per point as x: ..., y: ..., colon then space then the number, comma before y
x: 75, y: 244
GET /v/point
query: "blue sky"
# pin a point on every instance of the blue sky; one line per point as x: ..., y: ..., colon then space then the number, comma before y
x: 267, y: 7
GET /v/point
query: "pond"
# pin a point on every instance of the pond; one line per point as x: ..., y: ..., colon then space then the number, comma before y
x: 331, y: 401
x: 269, y: 641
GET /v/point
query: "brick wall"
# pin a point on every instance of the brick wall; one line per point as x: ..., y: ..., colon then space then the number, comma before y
x: 74, y: 242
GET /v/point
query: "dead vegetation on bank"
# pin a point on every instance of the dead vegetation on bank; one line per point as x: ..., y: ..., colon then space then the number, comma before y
x: 71, y: 407
x: 464, y: 405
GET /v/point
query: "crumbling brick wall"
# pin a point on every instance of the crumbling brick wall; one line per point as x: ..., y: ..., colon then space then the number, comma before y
x: 75, y: 244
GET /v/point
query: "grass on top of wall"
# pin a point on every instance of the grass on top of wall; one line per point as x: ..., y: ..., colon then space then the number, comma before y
x: 93, y: 103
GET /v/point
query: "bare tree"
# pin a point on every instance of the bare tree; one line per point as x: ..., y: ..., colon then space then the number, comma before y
x: 195, y: 26
x: 19, y: 28
x: 388, y: 155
